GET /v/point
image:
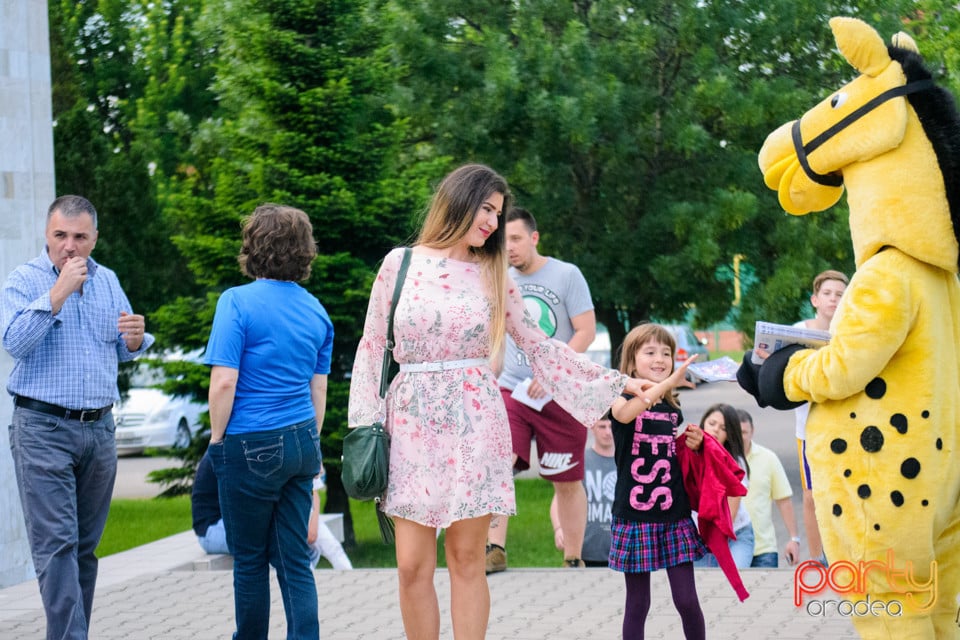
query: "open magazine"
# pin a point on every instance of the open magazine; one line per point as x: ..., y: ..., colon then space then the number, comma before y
x: 720, y: 370
x: 772, y: 337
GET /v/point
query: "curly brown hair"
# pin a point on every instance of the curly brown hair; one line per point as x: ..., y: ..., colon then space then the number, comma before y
x: 277, y: 244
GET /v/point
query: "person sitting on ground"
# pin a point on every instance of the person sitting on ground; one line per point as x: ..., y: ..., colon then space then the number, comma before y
x: 321, y: 540
x: 208, y: 524
x: 205, y: 509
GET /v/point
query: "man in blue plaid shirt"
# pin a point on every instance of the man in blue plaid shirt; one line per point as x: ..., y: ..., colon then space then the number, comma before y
x: 67, y: 323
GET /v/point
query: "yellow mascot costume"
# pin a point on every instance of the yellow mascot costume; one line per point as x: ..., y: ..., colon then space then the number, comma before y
x: 884, y: 420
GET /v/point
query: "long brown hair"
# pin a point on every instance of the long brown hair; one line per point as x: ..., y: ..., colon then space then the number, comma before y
x: 639, y: 336
x: 450, y: 216
x: 731, y: 424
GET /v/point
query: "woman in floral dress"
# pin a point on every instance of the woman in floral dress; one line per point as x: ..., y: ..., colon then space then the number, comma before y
x: 450, y: 456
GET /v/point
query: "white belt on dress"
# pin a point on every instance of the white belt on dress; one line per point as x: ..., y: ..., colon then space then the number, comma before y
x: 446, y: 365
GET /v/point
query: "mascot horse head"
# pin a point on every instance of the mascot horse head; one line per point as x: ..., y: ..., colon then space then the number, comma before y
x: 891, y: 137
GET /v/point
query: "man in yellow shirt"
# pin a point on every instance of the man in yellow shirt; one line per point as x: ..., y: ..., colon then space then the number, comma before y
x: 768, y: 485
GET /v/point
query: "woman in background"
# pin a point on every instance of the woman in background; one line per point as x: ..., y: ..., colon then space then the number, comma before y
x: 722, y: 421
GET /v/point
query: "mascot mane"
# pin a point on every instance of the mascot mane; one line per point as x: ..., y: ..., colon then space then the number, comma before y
x: 937, y: 112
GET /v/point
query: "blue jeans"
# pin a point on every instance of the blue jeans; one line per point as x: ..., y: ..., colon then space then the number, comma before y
x: 766, y: 560
x: 741, y: 549
x: 265, y: 479
x: 65, y: 472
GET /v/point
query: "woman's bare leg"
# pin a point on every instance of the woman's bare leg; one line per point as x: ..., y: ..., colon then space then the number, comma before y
x: 466, y: 559
x: 416, y: 563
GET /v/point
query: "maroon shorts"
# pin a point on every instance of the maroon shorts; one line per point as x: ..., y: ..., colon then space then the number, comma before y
x: 561, y: 439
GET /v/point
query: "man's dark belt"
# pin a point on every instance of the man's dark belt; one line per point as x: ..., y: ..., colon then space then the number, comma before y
x: 83, y: 415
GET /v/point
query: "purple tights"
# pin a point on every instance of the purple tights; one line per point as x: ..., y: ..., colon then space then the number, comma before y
x: 683, y: 588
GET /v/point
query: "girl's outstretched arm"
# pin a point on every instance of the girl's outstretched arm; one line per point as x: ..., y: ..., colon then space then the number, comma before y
x: 647, y: 394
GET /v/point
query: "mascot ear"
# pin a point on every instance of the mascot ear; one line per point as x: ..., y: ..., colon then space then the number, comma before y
x: 903, y: 41
x: 770, y: 380
x: 861, y: 45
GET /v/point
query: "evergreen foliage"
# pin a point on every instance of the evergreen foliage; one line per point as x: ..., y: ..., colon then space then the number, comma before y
x: 630, y: 129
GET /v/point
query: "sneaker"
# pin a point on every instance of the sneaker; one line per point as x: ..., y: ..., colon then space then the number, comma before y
x: 496, y: 559
x: 573, y: 563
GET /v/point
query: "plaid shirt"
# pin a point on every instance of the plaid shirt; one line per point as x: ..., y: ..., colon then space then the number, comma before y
x: 68, y: 359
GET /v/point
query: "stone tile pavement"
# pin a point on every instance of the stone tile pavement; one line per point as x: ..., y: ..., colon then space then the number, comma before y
x: 157, y: 591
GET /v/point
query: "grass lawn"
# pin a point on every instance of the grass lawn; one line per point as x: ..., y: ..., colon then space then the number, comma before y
x: 530, y: 541
x: 529, y: 537
x: 132, y: 523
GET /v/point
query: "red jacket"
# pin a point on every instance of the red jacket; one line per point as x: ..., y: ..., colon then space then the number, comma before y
x: 710, y: 476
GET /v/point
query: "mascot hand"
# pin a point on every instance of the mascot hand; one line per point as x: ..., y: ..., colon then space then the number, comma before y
x: 765, y: 381
x: 770, y: 380
x: 748, y: 376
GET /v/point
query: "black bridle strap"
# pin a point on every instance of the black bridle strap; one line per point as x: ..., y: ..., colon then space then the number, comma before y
x: 803, y: 150
x: 827, y: 180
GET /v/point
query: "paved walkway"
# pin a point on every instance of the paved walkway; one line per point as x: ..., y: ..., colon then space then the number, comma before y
x: 156, y: 591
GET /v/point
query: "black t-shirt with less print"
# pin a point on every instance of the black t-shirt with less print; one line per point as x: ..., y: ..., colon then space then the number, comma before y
x: 649, y: 481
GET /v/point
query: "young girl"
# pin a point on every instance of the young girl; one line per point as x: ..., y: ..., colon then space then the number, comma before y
x: 723, y: 422
x: 651, y: 527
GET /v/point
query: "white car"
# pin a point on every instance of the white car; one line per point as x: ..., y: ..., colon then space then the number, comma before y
x: 149, y: 417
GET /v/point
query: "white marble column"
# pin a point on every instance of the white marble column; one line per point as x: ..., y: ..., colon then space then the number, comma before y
x: 26, y: 189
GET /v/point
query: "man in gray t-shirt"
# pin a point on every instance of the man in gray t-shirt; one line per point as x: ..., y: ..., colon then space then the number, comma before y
x: 557, y: 296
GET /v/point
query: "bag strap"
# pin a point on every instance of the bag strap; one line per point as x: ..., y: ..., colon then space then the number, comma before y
x: 390, y: 343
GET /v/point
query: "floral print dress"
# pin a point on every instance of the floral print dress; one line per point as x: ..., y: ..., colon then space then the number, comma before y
x: 450, y: 449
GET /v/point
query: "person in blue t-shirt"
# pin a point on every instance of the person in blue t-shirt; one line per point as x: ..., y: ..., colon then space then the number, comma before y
x: 269, y: 351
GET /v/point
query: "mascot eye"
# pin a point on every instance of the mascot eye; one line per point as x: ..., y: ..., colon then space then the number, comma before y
x: 838, y: 100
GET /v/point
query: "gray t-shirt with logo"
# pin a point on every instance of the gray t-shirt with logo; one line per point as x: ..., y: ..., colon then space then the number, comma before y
x: 600, y: 482
x: 553, y: 294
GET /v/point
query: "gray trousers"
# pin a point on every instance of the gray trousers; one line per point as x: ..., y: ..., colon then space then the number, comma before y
x: 65, y: 473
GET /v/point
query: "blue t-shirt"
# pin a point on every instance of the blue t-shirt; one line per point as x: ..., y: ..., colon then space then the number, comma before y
x: 277, y: 335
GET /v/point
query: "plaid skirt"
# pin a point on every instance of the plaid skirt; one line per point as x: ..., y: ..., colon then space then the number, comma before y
x: 641, y: 547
